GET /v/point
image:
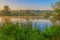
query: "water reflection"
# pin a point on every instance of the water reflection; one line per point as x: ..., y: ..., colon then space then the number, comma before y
x: 40, y: 23
x: 35, y: 23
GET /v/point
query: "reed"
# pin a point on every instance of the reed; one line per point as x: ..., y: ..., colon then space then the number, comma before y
x: 20, y: 32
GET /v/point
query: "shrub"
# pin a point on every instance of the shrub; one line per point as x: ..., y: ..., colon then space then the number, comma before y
x: 15, y: 32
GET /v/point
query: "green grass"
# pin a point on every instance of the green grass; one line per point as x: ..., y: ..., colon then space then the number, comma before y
x: 15, y: 32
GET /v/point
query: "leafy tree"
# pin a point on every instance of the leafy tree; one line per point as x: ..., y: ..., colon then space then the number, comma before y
x: 56, y: 8
x: 6, y: 10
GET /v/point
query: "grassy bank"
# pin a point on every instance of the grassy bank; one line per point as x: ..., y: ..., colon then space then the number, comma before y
x: 15, y: 32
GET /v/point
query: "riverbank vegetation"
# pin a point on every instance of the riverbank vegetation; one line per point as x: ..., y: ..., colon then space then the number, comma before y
x: 10, y: 31
x: 16, y: 32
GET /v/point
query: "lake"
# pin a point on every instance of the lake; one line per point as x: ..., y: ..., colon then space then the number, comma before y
x: 40, y: 23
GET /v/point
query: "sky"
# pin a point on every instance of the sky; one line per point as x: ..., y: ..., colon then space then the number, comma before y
x: 27, y: 4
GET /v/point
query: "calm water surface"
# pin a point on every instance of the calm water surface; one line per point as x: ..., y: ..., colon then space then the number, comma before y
x: 40, y: 23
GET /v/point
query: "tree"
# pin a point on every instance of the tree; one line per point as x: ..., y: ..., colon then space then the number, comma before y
x: 6, y: 10
x: 47, y: 15
x: 56, y: 8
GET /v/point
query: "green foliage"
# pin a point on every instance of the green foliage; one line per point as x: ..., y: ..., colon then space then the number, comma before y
x: 52, y: 33
x: 56, y: 7
x: 15, y: 32
x: 6, y: 10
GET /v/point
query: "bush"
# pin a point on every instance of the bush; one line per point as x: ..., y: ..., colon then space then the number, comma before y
x: 15, y: 32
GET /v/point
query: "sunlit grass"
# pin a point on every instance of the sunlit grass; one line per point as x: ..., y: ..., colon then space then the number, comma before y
x: 16, y: 32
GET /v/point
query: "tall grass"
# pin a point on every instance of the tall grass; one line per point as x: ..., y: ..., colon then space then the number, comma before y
x: 16, y: 32
x: 23, y: 31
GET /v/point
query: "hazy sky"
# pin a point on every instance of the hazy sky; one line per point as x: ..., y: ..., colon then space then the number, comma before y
x: 27, y: 4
